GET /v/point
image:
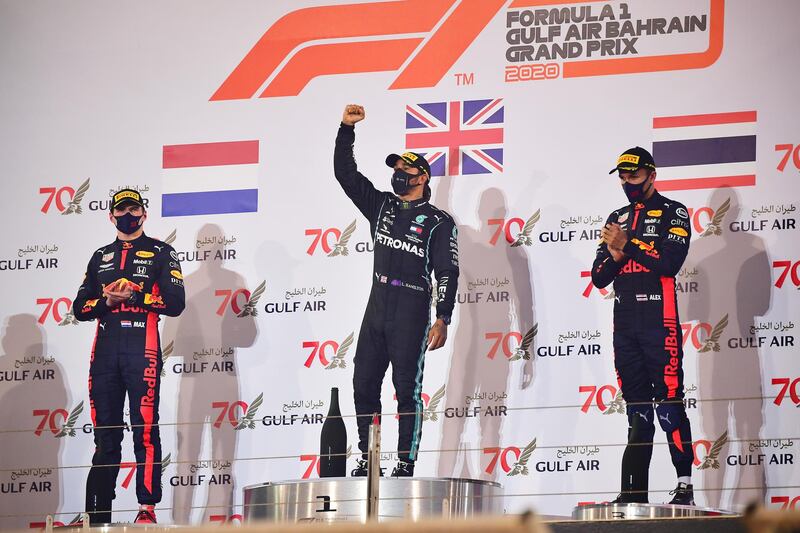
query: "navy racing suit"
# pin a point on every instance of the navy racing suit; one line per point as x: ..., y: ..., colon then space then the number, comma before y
x: 648, y: 341
x: 412, y: 240
x: 126, y: 358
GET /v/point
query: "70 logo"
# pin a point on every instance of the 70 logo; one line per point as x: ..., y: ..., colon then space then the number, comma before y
x: 506, y: 227
x: 588, y: 290
x: 697, y: 333
x: 131, y: 468
x: 231, y: 411
x: 521, y: 348
x: 501, y: 455
x: 60, y: 422
x: 55, y: 308
x: 58, y: 194
x: 323, y: 237
x: 232, y: 298
x: 792, y: 151
x: 786, y: 502
x: 320, y: 349
x: 331, y: 247
x: 787, y: 385
x: 313, y: 465
x: 596, y: 397
x: 788, y: 268
x: 502, y: 342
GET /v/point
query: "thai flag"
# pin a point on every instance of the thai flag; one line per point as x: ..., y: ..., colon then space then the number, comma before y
x: 210, y: 178
x: 705, y: 151
x: 461, y: 137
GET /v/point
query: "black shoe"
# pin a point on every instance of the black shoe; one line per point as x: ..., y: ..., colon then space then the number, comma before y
x: 403, y: 469
x: 627, y: 497
x: 361, y: 469
x: 99, y: 518
x: 684, y: 494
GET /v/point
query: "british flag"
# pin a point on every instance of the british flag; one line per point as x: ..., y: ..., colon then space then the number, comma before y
x: 457, y: 138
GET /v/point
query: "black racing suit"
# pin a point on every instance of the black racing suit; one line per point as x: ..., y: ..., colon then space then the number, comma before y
x: 411, y: 240
x: 126, y: 358
x: 648, y: 341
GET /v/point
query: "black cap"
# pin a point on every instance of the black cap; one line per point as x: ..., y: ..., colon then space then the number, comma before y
x: 633, y: 159
x: 413, y: 159
x: 125, y: 196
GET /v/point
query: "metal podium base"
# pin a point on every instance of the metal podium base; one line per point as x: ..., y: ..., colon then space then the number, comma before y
x: 344, y: 499
x: 638, y: 511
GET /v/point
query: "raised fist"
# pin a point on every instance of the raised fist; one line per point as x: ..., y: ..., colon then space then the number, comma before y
x: 353, y: 113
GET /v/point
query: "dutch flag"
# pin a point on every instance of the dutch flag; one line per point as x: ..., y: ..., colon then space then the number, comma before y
x: 210, y: 178
x: 705, y: 151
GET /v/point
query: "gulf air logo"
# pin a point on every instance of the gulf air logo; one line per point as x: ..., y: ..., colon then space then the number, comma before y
x: 427, y: 37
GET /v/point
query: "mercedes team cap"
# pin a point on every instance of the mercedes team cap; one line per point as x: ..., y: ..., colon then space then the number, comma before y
x: 125, y: 196
x: 413, y: 159
x: 633, y: 159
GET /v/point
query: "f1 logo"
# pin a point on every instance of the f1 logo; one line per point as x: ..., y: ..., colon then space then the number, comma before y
x: 431, y: 54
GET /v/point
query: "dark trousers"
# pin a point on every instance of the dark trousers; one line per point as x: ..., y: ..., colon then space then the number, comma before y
x: 649, y: 364
x: 399, y: 337
x: 124, y: 365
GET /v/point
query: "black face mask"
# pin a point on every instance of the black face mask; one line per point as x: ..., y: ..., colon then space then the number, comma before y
x: 636, y: 192
x: 400, y: 182
x: 128, y: 223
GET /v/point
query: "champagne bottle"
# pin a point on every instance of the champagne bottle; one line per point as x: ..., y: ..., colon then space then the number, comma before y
x: 333, y: 441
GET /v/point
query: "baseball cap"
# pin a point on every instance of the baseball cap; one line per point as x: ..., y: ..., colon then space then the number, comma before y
x: 125, y: 196
x: 413, y: 159
x: 633, y: 159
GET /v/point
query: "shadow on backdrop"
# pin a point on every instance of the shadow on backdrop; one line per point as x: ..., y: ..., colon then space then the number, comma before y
x: 31, y: 382
x: 206, y: 336
x: 734, y: 281
x: 479, y: 376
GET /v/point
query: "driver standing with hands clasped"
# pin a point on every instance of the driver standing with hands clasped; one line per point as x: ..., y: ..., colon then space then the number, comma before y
x: 128, y: 285
x: 413, y: 240
x: 643, y: 247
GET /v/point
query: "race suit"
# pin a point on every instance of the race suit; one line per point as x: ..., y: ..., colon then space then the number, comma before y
x: 126, y: 358
x: 648, y: 341
x: 411, y: 240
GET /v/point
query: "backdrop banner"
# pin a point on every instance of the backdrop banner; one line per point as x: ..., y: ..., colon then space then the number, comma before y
x: 224, y: 115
